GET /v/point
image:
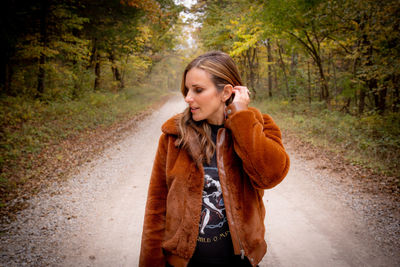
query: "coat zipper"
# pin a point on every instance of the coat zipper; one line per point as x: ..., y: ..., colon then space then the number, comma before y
x: 237, y: 235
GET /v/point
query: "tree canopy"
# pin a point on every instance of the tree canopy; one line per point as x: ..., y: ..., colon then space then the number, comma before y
x: 345, y: 53
x: 59, y: 48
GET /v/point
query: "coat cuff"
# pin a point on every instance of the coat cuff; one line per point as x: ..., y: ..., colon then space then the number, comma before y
x: 235, y: 107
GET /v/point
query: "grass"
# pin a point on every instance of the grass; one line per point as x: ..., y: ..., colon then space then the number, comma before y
x: 28, y: 126
x: 372, y: 140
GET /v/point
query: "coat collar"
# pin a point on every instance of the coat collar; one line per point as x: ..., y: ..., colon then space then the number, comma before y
x: 171, y: 125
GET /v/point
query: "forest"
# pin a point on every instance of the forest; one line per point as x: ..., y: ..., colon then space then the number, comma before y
x: 328, y: 70
x: 57, y: 49
x: 344, y: 53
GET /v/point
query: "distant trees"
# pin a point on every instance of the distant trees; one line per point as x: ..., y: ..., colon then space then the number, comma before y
x: 345, y: 53
x: 59, y: 48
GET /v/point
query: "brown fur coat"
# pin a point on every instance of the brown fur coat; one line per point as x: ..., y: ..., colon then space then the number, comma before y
x: 250, y: 158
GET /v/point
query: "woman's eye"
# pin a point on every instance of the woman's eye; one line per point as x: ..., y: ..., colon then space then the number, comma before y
x: 198, y: 90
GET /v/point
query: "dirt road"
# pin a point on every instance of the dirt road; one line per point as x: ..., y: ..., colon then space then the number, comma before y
x: 309, y: 225
x: 95, y: 218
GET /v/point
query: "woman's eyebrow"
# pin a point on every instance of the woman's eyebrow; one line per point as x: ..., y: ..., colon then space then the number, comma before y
x: 195, y: 85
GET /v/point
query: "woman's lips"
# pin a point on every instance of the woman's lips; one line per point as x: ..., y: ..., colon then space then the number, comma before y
x: 193, y: 109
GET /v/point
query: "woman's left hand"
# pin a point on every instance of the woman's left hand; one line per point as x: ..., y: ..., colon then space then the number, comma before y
x: 242, y: 95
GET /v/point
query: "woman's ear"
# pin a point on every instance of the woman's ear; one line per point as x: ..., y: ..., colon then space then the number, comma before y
x: 227, y: 92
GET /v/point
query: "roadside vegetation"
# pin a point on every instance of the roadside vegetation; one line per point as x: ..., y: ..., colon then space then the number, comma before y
x: 31, y: 125
x: 371, y: 140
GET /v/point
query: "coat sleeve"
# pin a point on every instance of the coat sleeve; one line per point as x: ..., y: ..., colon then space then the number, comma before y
x: 151, y: 253
x: 257, y: 141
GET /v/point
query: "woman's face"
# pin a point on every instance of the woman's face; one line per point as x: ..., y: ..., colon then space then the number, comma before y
x: 204, y: 100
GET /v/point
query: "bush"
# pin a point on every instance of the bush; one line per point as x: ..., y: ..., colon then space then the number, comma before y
x: 373, y: 140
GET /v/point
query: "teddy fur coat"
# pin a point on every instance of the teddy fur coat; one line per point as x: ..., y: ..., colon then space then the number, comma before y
x: 250, y: 158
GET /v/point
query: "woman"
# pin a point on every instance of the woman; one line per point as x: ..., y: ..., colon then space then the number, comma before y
x: 204, y: 204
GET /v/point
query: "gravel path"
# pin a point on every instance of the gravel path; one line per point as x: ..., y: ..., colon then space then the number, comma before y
x: 95, y: 217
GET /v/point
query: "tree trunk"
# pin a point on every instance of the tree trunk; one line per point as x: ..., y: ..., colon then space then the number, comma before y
x: 381, y: 96
x: 334, y: 78
x: 8, y: 79
x: 118, y: 77
x: 283, y: 66
x: 123, y: 71
x: 324, y: 82
x: 97, y: 73
x: 257, y: 64
x: 328, y: 69
x: 309, y: 82
x: 41, y: 77
x: 250, y: 61
x: 93, y: 54
x: 43, y: 43
x: 276, y: 85
x: 243, y: 72
x: 317, y: 87
x: 361, y: 101
x: 269, y: 58
x: 372, y: 83
x: 315, y: 52
x: 6, y: 75
x: 382, y: 100
x: 396, y: 93
x: 293, y: 70
x: 373, y: 88
x: 114, y: 70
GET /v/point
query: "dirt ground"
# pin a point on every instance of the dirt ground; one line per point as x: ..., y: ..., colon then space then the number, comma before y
x: 315, y: 217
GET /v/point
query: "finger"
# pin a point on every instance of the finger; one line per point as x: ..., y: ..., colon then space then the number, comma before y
x: 243, y: 89
x: 245, y: 92
x: 240, y: 88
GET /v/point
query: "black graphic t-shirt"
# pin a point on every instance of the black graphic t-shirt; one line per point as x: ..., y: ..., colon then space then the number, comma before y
x: 214, y: 243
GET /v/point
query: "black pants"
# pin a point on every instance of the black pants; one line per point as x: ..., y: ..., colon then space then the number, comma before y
x: 238, y: 262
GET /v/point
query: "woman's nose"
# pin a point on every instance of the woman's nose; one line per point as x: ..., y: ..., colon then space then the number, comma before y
x: 188, y: 98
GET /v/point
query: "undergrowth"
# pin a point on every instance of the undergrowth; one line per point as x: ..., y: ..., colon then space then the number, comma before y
x: 371, y: 140
x: 28, y: 126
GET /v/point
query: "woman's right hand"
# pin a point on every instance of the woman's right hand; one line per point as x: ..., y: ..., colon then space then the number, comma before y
x: 242, y: 95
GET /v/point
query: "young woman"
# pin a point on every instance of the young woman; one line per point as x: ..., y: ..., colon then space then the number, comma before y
x: 204, y: 204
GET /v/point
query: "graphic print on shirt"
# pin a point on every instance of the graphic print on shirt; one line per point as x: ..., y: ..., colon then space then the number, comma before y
x: 213, y: 214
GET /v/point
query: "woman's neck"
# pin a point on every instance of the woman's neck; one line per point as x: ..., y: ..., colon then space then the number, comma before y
x: 218, y: 117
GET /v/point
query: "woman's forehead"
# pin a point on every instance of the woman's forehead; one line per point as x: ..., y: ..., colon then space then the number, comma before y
x: 197, y: 77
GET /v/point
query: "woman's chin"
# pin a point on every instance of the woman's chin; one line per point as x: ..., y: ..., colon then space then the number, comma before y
x: 197, y: 117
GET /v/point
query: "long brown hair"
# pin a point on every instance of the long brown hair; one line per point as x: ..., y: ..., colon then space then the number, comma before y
x: 195, y: 136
